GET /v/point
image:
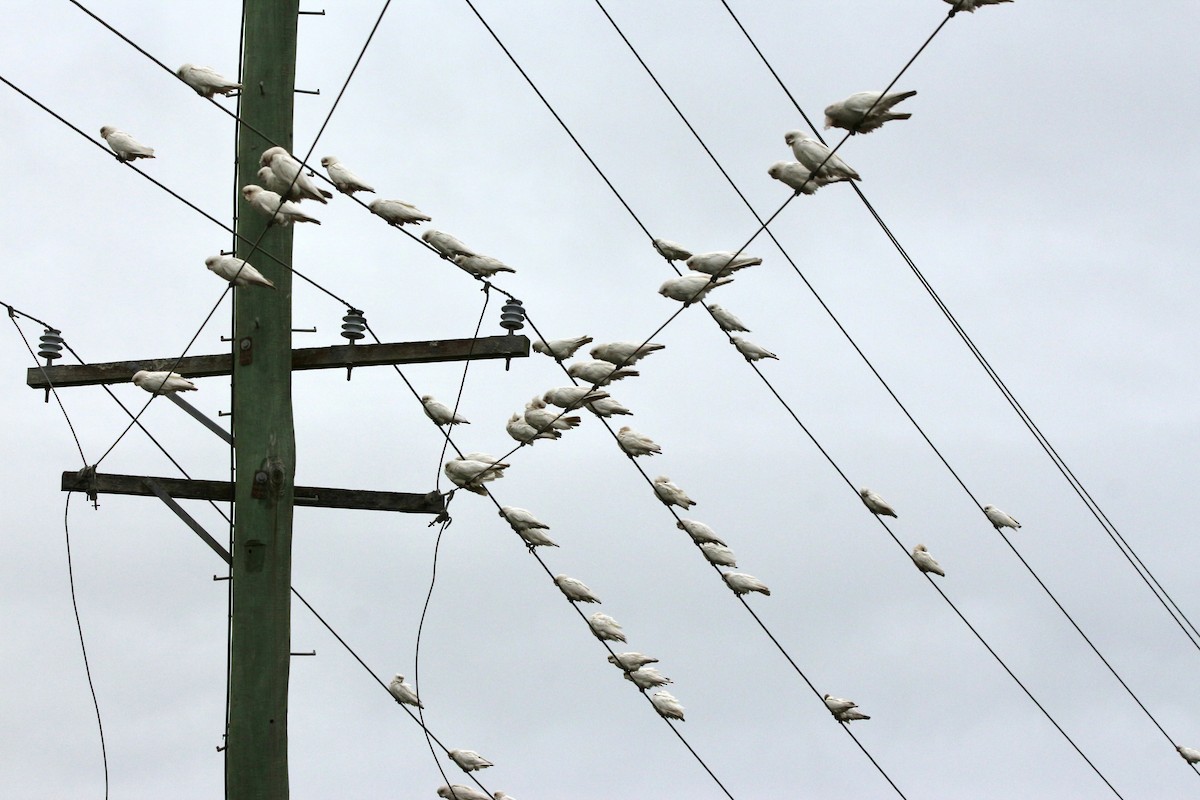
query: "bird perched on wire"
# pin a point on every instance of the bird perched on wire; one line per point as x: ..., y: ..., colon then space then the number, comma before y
x: 690, y: 287
x: 527, y: 526
x: 608, y: 407
x: 441, y: 413
x: 525, y: 433
x: 1190, y: 754
x: 446, y: 244
x: 647, y: 677
x: 667, y: 706
x: 999, y: 519
x: 560, y: 349
x: 750, y: 350
x: 162, y: 382
x: 600, y: 373
x: 345, y: 180
x: 542, y: 418
x: 237, y: 271
x: 699, y: 532
x: 925, y: 562
x: 403, y: 692
x: 286, y: 174
x: 843, y: 710
x: 630, y: 661
x: 741, y: 583
x: 863, y: 112
x: 721, y: 262
x: 398, y: 212
x: 269, y: 204
x: 797, y: 176
x: 637, y: 444
x: 206, y: 80
x: 672, y: 251
x: 124, y: 145
x: 456, y: 791
x: 481, y: 266
x: 728, y: 322
x: 468, y: 760
x: 471, y: 474
x: 818, y: 157
x: 718, y: 554
x: 971, y: 5
x: 569, y: 397
x: 575, y: 590
x: 605, y: 627
x: 671, y: 494
x: 625, y: 354
x: 875, y: 503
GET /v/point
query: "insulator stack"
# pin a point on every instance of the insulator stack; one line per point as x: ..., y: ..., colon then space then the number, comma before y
x: 353, y: 326
x: 50, y: 349
x: 512, y: 316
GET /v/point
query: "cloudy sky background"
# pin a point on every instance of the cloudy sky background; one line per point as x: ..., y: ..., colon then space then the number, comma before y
x: 1045, y: 186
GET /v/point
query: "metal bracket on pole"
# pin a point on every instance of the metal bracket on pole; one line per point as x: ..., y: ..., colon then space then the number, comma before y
x: 198, y: 415
x: 155, y: 487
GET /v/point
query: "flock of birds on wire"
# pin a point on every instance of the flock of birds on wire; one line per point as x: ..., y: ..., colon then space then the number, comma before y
x: 285, y: 185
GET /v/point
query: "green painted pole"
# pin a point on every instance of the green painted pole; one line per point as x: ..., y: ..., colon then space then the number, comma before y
x: 256, y: 766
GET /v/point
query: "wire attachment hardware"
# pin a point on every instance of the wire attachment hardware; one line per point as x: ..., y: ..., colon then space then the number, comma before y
x: 353, y: 326
x: 50, y: 349
x: 512, y: 319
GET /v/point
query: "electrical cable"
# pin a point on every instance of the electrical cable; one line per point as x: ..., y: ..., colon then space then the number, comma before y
x: 12, y: 315
x: 462, y: 384
x: 437, y: 545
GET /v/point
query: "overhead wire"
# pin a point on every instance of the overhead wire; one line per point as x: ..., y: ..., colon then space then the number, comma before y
x: 12, y: 315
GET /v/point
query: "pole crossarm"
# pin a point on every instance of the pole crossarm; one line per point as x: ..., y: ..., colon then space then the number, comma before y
x: 360, y: 355
x: 222, y: 491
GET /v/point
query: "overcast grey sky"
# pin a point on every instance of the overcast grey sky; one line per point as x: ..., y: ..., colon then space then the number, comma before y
x: 1045, y: 185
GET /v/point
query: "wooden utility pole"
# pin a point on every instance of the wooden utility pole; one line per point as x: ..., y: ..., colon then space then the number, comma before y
x: 256, y: 765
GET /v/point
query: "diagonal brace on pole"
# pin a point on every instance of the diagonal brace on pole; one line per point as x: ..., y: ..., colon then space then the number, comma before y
x: 199, y: 416
x: 156, y: 488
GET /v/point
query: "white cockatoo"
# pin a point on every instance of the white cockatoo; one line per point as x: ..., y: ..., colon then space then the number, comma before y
x: 667, y: 706
x: 796, y: 175
x: 481, y: 266
x: 575, y: 590
x: 162, y: 382
x: 570, y: 397
x: 672, y: 251
x: 441, y: 413
x: 849, y: 715
x: 750, y: 350
x: 535, y: 538
x: 446, y: 244
x: 237, y: 271
x: 630, y: 661
x: 521, y: 519
x: 342, y: 178
x: 600, y: 373
x: 608, y: 407
x: 398, y: 212
x: 561, y: 348
x: 269, y: 204
x: 605, y: 627
x: 502, y: 796
x: 456, y: 791
x: 625, y: 354
x: 647, y: 677
x: 863, y: 112
x: 637, y: 444
x: 468, y: 760
x: 690, y: 287
x: 287, y: 175
x: 721, y: 262
x: 542, y: 418
x: 875, y: 503
x: 728, y: 322
x: 525, y: 433
x: 925, y: 562
x: 206, y: 80
x: 718, y: 554
x: 1190, y: 754
x: 699, y: 532
x: 843, y: 710
x: 971, y: 5
x: 471, y: 474
x: 741, y: 583
x: 124, y: 145
x: 403, y: 692
x: 818, y: 157
x: 671, y: 494
x: 999, y: 519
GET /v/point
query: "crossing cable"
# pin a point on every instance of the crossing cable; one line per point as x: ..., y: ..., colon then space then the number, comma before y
x: 1077, y: 486
x: 462, y: 384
